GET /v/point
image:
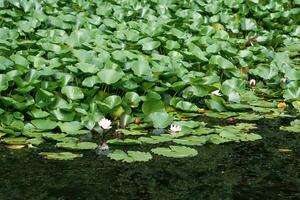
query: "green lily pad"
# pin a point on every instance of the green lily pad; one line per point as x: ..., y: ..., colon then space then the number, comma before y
x: 249, y: 116
x: 70, y: 127
x: 72, y: 92
x: 131, y: 132
x: 156, y: 139
x: 190, y: 124
x: 160, y: 119
x: 221, y: 115
x: 15, y: 140
x: 175, y: 151
x: 60, y: 155
x: 109, y: 76
x: 191, y: 140
x: 126, y: 141
x: 54, y: 136
x: 130, y: 156
x: 216, y: 139
x: 35, y: 141
x: 294, y: 127
x: 202, y: 131
x: 37, y: 113
x: 250, y: 137
x: 44, y: 124
x: 77, y: 146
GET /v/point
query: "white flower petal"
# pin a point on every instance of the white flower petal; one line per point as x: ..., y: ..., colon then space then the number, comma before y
x: 252, y: 82
x: 104, y: 146
x: 216, y: 93
x: 105, y: 123
x: 175, y: 128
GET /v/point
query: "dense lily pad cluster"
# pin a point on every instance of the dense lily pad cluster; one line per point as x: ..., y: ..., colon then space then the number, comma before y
x: 65, y: 65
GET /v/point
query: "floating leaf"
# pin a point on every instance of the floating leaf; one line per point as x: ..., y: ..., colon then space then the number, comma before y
x: 221, y: 115
x: 91, y: 81
x: 132, y: 99
x: 249, y: 116
x: 70, y: 127
x: 35, y: 141
x: 251, y: 137
x: 72, y: 92
x: 130, y: 156
x: 3, y: 82
x: 126, y: 141
x: 38, y: 113
x: 60, y: 155
x: 15, y: 146
x: 140, y: 68
x: 44, y: 124
x: 221, y: 62
x: 156, y: 139
x: 175, y: 151
x: 248, y: 24
x: 54, y: 136
x: 285, y: 150
x: 77, y: 146
x: 109, y: 76
x: 292, y: 94
x: 150, y: 45
x: 294, y: 127
x: 131, y: 132
x: 161, y: 119
x: 87, y: 68
x: 191, y: 140
x: 15, y: 140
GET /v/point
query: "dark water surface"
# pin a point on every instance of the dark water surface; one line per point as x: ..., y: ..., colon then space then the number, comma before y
x: 251, y: 170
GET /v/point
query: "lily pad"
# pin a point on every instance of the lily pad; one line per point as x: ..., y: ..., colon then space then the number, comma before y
x: 221, y: 115
x: 15, y: 140
x: 44, y: 124
x: 15, y: 146
x: 54, y: 136
x: 294, y: 127
x: 60, y: 155
x: 35, y: 141
x: 130, y: 156
x: 175, y: 151
x: 77, y: 146
x: 161, y: 119
x: 156, y: 139
x: 249, y: 116
x: 131, y: 132
x: 191, y: 140
x: 74, y: 93
x: 126, y: 141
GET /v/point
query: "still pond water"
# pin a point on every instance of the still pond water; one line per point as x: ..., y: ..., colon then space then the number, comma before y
x: 253, y: 170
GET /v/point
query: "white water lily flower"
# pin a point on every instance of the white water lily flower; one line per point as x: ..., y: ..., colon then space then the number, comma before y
x: 252, y: 82
x: 174, y: 129
x: 30, y: 146
x: 283, y: 80
x: 105, y: 124
x: 216, y: 93
x: 104, y: 146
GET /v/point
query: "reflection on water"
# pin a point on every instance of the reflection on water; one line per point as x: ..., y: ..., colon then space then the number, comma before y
x: 254, y: 170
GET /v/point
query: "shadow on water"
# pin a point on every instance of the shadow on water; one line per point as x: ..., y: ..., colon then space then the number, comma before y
x: 252, y: 170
